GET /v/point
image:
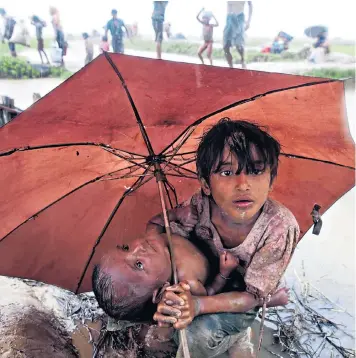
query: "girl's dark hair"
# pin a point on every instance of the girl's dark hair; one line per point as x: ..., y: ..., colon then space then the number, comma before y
x: 240, y: 136
x: 105, y: 38
x: 85, y: 35
x: 123, y: 305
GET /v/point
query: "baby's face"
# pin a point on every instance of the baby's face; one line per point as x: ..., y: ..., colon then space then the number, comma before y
x: 144, y: 261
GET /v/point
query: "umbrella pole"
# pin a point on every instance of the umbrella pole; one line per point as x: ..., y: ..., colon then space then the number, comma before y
x: 182, y: 333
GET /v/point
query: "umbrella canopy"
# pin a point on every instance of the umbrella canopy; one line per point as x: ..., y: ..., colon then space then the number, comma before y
x: 315, y: 31
x: 78, y: 171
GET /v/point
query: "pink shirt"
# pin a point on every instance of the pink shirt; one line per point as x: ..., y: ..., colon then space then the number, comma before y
x: 105, y: 47
x: 265, y: 253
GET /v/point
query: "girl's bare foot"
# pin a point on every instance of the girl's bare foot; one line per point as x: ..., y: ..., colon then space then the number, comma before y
x: 280, y: 298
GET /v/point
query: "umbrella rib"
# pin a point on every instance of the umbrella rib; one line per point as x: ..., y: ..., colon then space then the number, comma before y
x: 238, y: 103
x: 179, y: 146
x: 289, y: 155
x: 62, y: 197
x: 132, y: 103
x: 180, y: 154
x: 167, y: 183
x: 176, y: 168
x: 62, y: 145
x: 125, y: 158
x: 135, y: 186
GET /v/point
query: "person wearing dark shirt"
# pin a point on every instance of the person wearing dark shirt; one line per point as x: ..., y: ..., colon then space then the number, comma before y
x: 116, y: 26
x: 9, y: 30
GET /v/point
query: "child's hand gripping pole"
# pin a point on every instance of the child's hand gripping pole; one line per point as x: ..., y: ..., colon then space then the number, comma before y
x: 160, y: 178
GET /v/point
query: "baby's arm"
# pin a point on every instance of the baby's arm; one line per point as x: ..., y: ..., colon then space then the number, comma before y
x: 227, y: 263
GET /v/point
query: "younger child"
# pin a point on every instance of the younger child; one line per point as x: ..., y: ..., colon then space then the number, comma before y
x: 89, y: 48
x: 237, y: 163
x: 132, y: 275
x: 207, y: 34
x: 104, y: 45
x: 39, y: 24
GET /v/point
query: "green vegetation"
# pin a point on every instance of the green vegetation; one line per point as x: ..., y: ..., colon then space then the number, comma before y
x: 190, y: 49
x: 187, y: 48
x: 4, y: 47
x: 334, y: 73
x: 17, y: 68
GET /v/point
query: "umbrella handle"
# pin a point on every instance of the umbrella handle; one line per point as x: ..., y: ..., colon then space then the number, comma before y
x: 182, y: 333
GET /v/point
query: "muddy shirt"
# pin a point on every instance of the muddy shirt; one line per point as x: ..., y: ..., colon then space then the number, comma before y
x: 265, y: 253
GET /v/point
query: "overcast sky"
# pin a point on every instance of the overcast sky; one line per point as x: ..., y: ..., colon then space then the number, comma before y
x: 269, y: 17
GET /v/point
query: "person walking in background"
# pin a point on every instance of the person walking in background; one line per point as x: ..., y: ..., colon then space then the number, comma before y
x: 89, y: 48
x: 159, y: 9
x: 104, y: 44
x: 39, y: 24
x: 116, y: 26
x: 208, y: 30
x: 9, y: 25
x: 167, y: 29
x: 58, y: 30
x: 234, y: 32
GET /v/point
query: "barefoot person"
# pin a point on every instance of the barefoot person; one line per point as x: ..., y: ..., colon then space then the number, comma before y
x: 159, y: 9
x: 9, y: 25
x: 208, y: 30
x: 58, y: 31
x: 116, y: 27
x: 234, y: 32
x: 237, y: 163
x: 89, y: 48
x: 39, y: 24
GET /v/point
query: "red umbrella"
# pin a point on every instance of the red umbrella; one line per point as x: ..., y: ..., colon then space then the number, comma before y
x: 78, y: 167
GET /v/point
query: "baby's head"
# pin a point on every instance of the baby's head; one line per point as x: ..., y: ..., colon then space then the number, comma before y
x: 85, y: 35
x: 104, y: 39
x: 129, y: 275
x: 237, y: 163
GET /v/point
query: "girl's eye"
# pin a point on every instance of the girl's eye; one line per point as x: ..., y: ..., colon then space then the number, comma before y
x: 226, y: 173
x: 139, y: 265
x: 125, y: 247
x: 257, y: 171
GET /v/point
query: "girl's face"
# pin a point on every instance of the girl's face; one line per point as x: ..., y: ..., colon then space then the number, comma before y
x: 239, y: 196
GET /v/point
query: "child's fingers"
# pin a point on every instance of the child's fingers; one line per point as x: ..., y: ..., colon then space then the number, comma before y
x: 169, y: 310
x: 159, y: 317
x: 172, y: 299
x: 184, y: 315
x: 182, y: 323
x: 164, y: 325
x: 175, y: 288
x: 185, y: 285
